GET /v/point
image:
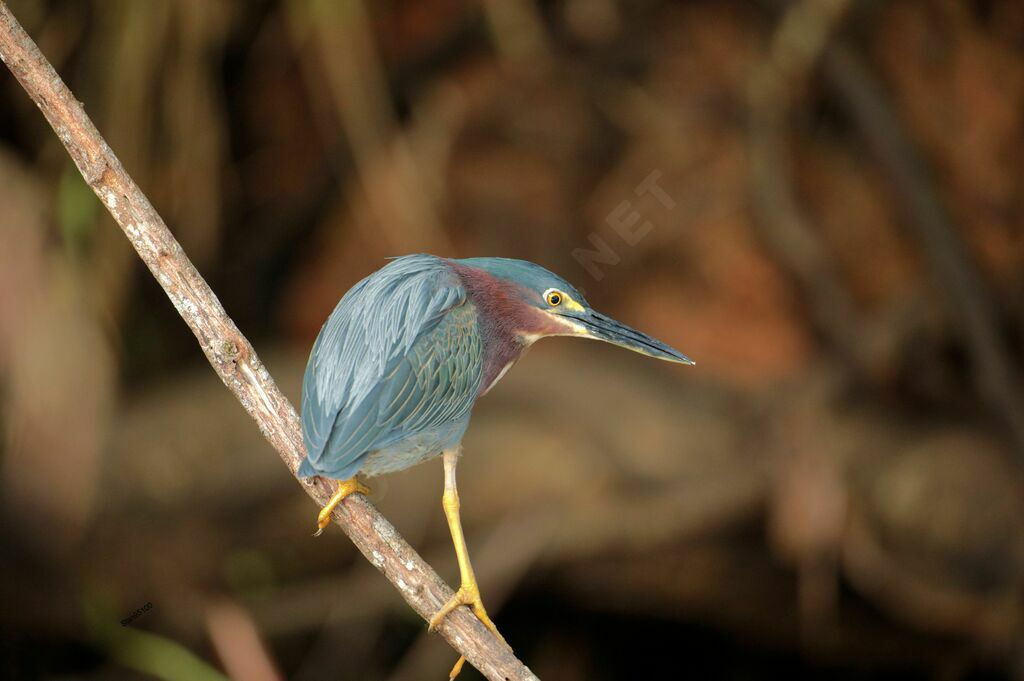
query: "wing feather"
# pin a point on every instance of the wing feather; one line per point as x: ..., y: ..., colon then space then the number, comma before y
x: 399, y: 355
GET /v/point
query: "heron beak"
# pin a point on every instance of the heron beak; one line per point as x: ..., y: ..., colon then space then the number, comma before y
x: 603, y: 328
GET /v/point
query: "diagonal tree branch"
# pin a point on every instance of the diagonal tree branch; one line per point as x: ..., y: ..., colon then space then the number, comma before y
x: 233, y: 358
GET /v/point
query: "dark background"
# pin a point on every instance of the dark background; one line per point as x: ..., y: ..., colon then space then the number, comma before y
x: 834, y: 491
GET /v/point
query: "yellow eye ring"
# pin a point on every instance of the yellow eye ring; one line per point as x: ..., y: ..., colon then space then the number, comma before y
x: 553, y: 298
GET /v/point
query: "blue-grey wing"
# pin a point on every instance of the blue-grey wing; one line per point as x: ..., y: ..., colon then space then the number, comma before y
x: 436, y: 383
x: 420, y: 408
x: 362, y: 389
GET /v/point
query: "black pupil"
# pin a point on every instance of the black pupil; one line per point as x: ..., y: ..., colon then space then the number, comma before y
x: 555, y: 299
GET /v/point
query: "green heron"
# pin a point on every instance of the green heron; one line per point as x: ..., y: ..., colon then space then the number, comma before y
x: 396, y: 370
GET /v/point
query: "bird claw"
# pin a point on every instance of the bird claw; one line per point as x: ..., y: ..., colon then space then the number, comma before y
x: 468, y: 594
x: 324, y: 519
x: 457, y: 668
x: 345, y: 488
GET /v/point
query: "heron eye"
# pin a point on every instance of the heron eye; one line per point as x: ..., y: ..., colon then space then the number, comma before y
x: 554, y: 298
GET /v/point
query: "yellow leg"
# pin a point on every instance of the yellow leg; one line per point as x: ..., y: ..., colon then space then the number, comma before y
x: 468, y: 592
x: 345, y: 488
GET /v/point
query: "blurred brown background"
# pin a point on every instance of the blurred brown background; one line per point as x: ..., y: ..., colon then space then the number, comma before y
x: 821, y: 202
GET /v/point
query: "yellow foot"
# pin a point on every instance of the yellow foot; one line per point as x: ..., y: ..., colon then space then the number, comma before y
x: 345, y: 488
x: 457, y: 668
x: 468, y: 594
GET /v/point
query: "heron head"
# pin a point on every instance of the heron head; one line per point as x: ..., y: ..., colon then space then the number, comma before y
x: 565, y: 312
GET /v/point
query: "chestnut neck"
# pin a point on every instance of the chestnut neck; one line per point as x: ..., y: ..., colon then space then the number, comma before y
x: 508, y: 324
